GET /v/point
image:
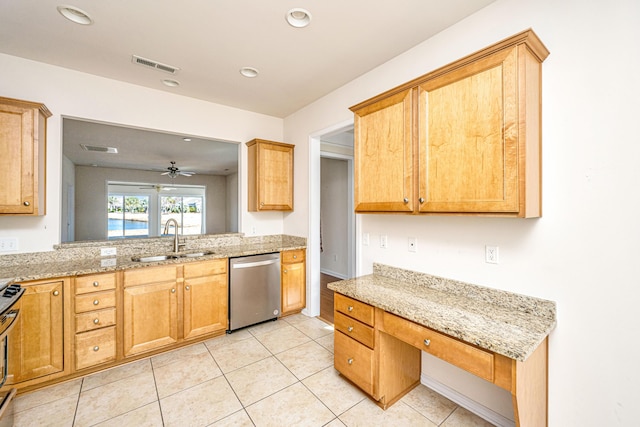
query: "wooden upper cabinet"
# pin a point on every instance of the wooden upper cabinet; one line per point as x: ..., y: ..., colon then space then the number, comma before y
x: 383, y: 149
x: 270, y: 176
x: 23, y: 129
x: 474, y: 127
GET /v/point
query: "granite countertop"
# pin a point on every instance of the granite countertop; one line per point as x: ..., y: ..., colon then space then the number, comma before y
x: 83, y: 258
x: 509, y: 324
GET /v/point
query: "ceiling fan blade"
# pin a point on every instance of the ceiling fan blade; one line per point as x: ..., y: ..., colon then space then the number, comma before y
x: 186, y: 173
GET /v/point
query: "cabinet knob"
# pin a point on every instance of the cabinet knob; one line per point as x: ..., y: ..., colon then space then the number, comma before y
x: 96, y: 302
x: 350, y: 308
x: 427, y: 342
x: 96, y: 283
x: 187, y: 287
x: 56, y: 293
x: 261, y: 203
x: 96, y: 348
x: 405, y: 200
x: 350, y: 361
x: 295, y: 256
x: 96, y: 321
x: 350, y: 329
x: 173, y: 291
x: 285, y: 270
x: 421, y: 199
x: 27, y: 204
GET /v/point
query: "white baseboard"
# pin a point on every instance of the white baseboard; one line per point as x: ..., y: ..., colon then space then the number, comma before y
x: 467, y: 403
x: 333, y: 273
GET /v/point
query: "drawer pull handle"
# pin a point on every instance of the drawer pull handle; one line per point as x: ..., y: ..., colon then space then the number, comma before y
x: 350, y: 361
x: 350, y: 308
x: 96, y: 348
x: 96, y: 283
x: 56, y: 293
x: 295, y: 256
x: 96, y: 302
x: 96, y: 321
x: 350, y: 329
x: 427, y: 342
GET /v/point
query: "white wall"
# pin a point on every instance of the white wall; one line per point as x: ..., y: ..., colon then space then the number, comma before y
x: 584, y: 252
x: 73, y: 94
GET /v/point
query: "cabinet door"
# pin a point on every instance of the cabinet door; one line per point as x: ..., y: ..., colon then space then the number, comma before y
x: 293, y: 287
x: 468, y: 144
x: 36, y: 341
x: 383, y: 152
x: 150, y: 316
x: 205, y: 305
x: 270, y: 176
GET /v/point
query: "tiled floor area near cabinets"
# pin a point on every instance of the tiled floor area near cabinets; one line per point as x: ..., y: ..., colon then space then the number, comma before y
x: 275, y: 374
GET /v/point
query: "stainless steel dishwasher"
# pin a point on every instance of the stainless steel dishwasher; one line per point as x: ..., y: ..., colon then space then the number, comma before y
x: 254, y: 290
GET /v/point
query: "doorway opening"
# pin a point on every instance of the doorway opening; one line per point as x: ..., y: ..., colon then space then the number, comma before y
x: 333, y: 223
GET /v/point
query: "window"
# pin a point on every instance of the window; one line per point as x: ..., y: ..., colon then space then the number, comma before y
x: 128, y: 216
x: 187, y: 210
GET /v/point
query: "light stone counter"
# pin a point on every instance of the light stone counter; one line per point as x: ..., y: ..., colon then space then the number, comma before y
x: 502, y: 322
x: 80, y: 258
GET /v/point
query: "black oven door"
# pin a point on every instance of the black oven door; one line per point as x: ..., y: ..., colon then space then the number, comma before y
x: 7, y: 321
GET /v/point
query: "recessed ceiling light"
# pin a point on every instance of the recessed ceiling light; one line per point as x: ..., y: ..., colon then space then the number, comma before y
x: 74, y: 14
x: 298, y: 18
x: 170, y: 83
x: 249, y: 72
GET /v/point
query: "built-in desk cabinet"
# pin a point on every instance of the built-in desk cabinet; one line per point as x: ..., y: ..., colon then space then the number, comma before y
x: 23, y: 136
x: 463, y: 139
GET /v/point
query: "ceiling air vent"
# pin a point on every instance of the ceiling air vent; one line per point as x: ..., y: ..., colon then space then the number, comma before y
x: 110, y: 150
x: 154, y: 64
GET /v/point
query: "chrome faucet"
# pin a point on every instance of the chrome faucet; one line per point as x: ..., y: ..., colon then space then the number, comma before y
x: 176, y: 245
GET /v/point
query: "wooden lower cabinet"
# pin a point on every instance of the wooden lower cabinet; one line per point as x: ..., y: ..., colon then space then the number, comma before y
x: 294, y: 282
x: 206, y: 301
x: 150, y: 308
x: 95, y: 320
x: 36, y: 342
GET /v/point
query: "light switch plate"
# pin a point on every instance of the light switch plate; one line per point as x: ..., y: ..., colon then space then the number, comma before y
x: 108, y: 251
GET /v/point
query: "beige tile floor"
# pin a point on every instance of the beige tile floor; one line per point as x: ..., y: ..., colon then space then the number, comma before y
x: 274, y: 374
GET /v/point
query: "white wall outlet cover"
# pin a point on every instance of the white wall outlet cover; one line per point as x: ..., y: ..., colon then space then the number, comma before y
x: 108, y: 251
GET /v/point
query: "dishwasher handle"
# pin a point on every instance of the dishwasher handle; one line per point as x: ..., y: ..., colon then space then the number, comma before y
x: 256, y: 264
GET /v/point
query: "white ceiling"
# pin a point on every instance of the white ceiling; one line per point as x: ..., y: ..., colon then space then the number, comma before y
x: 209, y: 41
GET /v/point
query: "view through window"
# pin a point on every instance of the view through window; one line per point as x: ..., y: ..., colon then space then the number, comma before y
x: 141, y: 210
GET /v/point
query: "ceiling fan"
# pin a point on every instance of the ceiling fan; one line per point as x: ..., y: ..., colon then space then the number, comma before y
x: 173, y: 171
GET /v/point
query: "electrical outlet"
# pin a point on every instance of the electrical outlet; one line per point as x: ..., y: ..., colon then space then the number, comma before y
x: 108, y: 262
x: 108, y: 251
x: 365, y: 239
x: 8, y: 244
x: 413, y: 244
x: 491, y: 254
x: 383, y: 241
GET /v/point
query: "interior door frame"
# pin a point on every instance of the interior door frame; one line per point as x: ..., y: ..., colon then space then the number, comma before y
x: 313, y: 242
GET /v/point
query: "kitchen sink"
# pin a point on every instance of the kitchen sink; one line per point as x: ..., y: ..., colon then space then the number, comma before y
x: 156, y: 258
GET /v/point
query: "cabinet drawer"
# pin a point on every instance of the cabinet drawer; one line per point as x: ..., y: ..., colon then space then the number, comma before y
x: 149, y: 275
x: 95, y: 282
x: 354, y: 329
x: 207, y: 268
x: 289, y: 257
x: 352, y: 308
x: 95, y: 301
x: 95, y: 347
x: 458, y: 353
x: 354, y: 361
x: 95, y: 319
